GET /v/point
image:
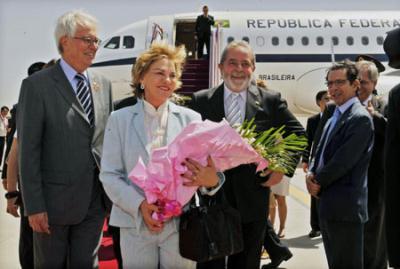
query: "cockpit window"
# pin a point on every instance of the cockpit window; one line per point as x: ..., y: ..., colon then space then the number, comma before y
x: 128, y: 42
x: 113, y: 43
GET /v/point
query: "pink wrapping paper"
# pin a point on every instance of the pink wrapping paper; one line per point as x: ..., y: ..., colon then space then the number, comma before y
x: 161, y: 180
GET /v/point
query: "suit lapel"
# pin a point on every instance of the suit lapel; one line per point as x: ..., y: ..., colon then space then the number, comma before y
x: 216, y: 98
x: 96, y: 93
x: 253, y: 103
x: 138, y: 124
x: 65, y: 89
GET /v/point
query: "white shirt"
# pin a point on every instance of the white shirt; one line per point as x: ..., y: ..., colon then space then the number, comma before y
x: 155, y: 124
x: 242, y: 101
x: 3, y: 126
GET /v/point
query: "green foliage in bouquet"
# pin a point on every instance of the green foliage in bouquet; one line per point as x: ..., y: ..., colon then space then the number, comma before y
x: 281, y: 151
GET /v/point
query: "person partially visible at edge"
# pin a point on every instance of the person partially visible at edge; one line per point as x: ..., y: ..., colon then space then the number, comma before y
x: 391, y: 46
x: 238, y: 99
x: 375, y: 256
x: 62, y: 113
x: 322, y: 98
x: 338, y: 171
x: 203, y: 32
x: 133, y: 132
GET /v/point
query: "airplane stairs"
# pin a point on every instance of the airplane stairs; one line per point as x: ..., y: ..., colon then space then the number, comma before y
x: 195, y: 76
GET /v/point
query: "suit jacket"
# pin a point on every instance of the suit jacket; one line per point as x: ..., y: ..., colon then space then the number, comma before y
x: 312, y: 124
x: 392, y: 177
x: 343, y: 178
x: 203, y: 25
x: 376, y: 166
x: 242, y: 186
x: 124, y: 142
x: 58, y: 148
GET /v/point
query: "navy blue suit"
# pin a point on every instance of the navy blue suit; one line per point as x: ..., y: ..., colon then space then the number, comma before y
x: 343, y: 180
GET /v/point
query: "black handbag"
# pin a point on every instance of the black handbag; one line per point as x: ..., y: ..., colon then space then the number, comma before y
x: 210, y: 230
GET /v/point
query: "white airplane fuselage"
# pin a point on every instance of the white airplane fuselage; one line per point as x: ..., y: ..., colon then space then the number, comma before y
x: 293, y: 49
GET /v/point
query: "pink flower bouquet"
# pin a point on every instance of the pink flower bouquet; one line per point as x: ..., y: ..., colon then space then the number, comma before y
x: 161, y: 180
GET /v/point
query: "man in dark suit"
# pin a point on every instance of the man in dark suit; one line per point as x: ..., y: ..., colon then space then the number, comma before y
x: 338, y: 172
x: 392, y: 152
x: 374, y: 235
x: 62, y: 113
x: 203, y: 32
x: 238, y: 99
x: 321, y: 99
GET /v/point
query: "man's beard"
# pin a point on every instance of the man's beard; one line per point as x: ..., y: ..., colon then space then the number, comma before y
x: 233, y: 86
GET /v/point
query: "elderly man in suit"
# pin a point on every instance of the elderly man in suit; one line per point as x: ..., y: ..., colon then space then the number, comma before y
x: 374, y: 237
x: 392, y: 152
x: 62, y: 113
x: 322, y: 98
x: 238, y: 99
x: 338, y: 172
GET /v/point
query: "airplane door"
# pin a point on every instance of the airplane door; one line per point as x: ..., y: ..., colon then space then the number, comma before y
x: 185, y: 35
x: 160, y: 28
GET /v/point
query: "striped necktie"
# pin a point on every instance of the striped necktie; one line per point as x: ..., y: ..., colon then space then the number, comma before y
x: 234, y: 116
x: 83, y: 94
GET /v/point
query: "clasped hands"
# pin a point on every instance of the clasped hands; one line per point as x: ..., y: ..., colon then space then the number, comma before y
x: 197, y: 175
x: 312, y: 186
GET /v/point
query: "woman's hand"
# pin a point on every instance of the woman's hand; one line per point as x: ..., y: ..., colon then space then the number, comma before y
x: 147, y: 210
x: 199, y: 175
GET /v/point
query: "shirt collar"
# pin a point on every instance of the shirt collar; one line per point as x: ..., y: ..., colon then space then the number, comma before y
x: 69, y: 71
x: 228, y: 92
x: 365, y: 103
x: 348, y: 104
x: 150, y: 110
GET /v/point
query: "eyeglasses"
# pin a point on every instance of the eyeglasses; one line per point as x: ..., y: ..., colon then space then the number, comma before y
x: 337, y: 83
x: 88, y: 40
x: 365, y: 82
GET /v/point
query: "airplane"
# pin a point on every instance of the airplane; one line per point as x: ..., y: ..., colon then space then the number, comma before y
x: 293, y: 49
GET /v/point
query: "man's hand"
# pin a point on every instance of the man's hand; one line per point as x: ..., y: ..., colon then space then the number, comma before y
x: 39, y: 223
x: 198, y: 175
x: 12, y: 208
x: 312, y: 186
x: 274, y: 178
x: 147, y: 210
x: 305, y: 167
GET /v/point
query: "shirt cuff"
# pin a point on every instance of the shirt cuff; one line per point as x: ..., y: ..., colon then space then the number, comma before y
x: 213, y: 190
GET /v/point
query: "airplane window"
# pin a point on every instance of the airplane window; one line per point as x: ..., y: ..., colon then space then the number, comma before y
x: 365, y: 40
x: 275, y: 41
x: 230, y: 39
x: 379, y: 40
x: 320, y: 40
x: 113, y: 43
x: 260, y: 41
x: 304, y: 41
x: 129, y: 42
x: 335, y: 40
x: 350, y: 40
x: 290, y: 41
x: 245, y: 38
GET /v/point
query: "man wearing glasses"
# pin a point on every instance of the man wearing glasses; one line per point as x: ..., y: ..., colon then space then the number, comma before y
x: 338, y: 172
x: 62, y: 113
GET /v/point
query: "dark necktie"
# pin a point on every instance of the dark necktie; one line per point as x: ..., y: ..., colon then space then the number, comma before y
x: 83, y: 94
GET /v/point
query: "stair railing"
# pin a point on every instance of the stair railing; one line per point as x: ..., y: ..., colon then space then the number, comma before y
x: 215, y: 51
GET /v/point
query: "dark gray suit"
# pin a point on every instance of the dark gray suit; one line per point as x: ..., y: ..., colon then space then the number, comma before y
x: 343, y: 180
x: 59, y: 153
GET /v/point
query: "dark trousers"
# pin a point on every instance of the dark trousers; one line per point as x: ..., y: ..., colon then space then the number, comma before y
x: 2, y: 144
x: 273, y: 244
x: 375, y: 256
x: 25, y: 242
x: 9, y: 140
x: 203, y: 40
x: 314, y: 218
x: 343, y: 242
x: 72, y: 246
x: 249, y: 258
